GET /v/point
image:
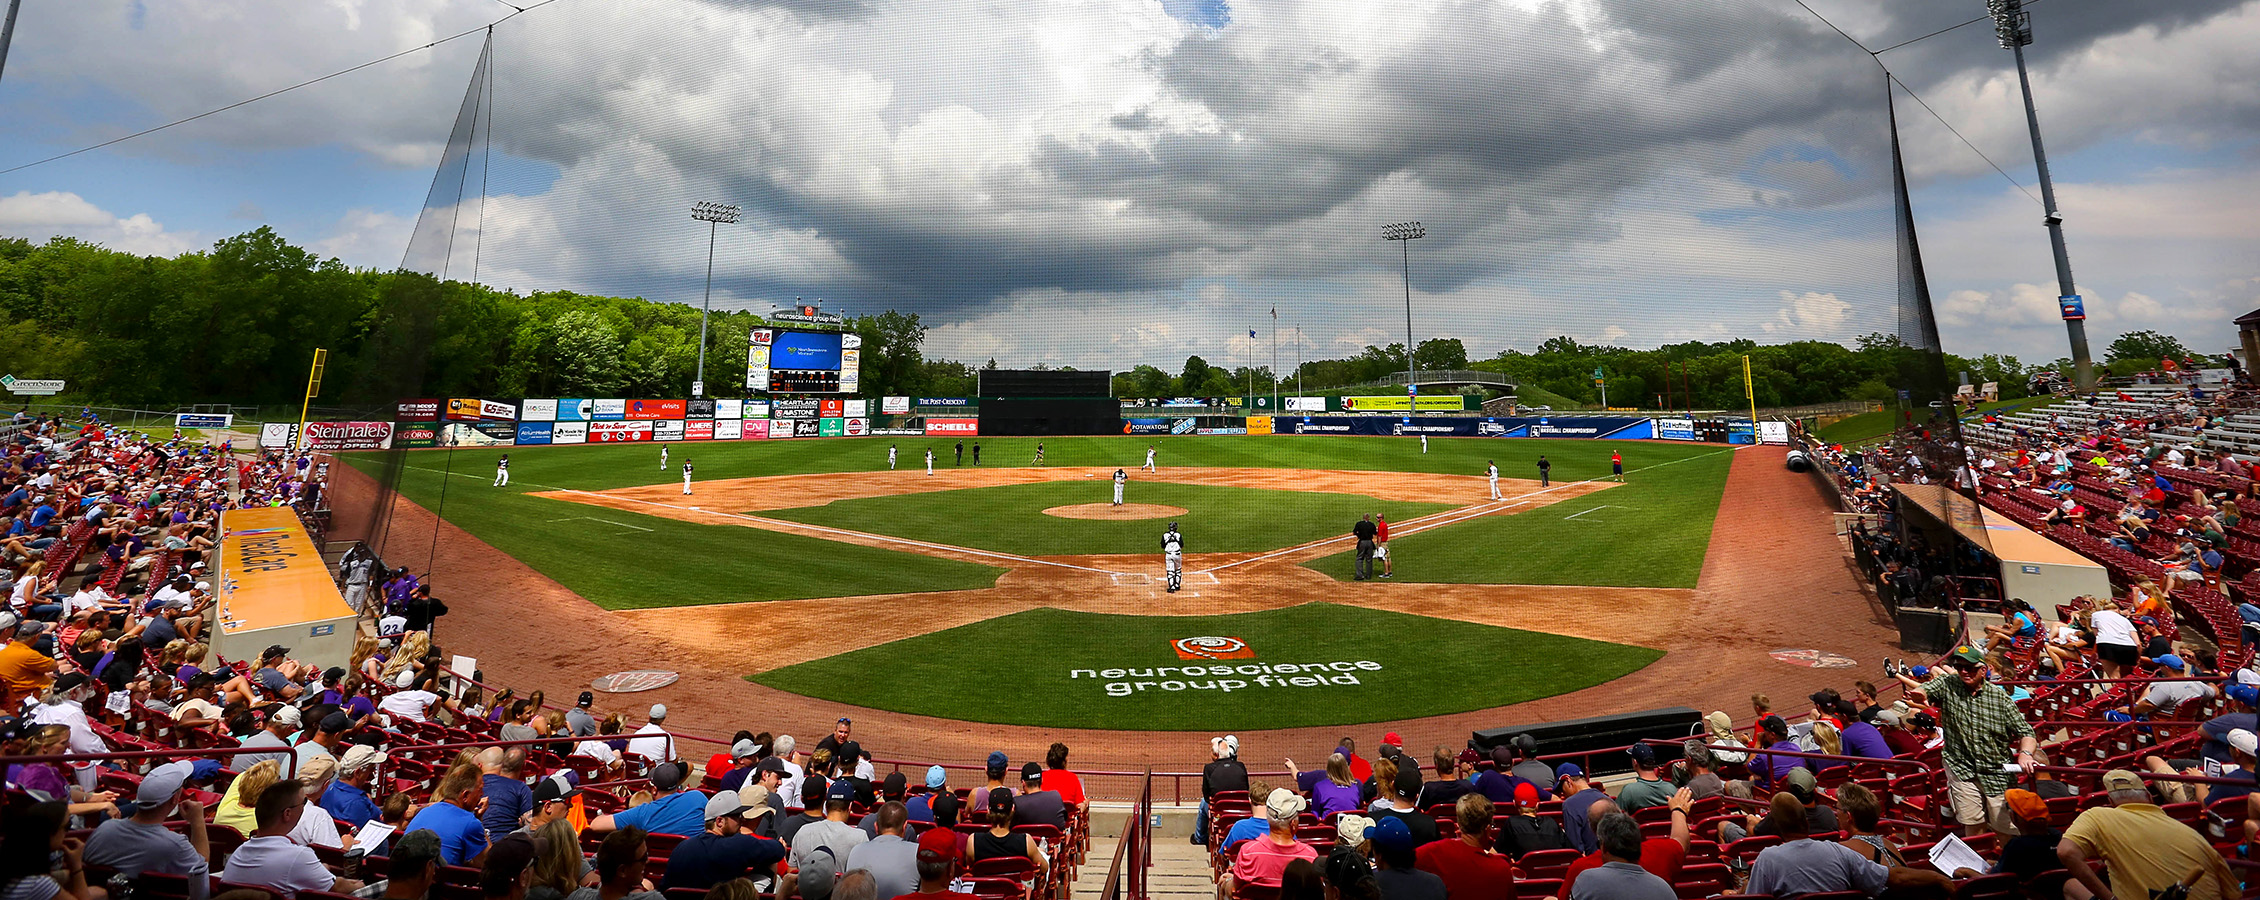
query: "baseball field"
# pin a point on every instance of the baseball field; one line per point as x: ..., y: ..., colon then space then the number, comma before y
x: 1017, y: 594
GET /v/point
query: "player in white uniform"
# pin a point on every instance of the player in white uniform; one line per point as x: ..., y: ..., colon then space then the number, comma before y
x: 1120, y: 477
x: 1424, y: 444
x: 686, y: 478
x: 1173, y: 557
x: 929, y: 460
x: 502, y: 470
x: 1492, y: 468
x: 1149, y: 466
x: 663, y: 457
x: 890, y: 457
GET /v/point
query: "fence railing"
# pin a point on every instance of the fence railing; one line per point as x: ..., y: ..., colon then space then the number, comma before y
x: 1133, y: 854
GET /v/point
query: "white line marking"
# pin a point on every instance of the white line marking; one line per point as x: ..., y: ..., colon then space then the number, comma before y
x: 1575, y: 515
x: 604, y: 521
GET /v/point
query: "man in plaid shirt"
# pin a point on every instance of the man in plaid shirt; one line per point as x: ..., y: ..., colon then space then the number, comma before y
x: 1979, y: 723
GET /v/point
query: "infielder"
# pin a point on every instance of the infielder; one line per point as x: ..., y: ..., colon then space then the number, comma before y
x: 663, y: 457
x: 1119, y: 478
x: 1173, y: 557
x: 1424, y: 445
x: 686, y: 478
x: 1491, y: 468
x: 502, y: 470
x: 929, y: 460
x: 890, y: 457
x: 1149, y: 466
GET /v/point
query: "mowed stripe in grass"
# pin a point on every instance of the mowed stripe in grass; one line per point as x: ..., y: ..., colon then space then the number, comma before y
x: 1652, y: 531
x: 1343, y: 665
x: 1010, y: 518
x: 624, y: 560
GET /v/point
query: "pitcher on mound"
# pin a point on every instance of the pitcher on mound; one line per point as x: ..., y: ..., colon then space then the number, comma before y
x: 1173, y: 557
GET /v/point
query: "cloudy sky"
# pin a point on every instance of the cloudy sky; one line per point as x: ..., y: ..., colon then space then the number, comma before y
x: 1107, y: 182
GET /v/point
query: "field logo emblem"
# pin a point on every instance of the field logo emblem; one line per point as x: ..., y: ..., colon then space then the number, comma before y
x: 1213, y: 648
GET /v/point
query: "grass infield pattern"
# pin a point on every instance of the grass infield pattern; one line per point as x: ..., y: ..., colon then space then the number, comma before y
x: 1314, y: 664
x: 1010, y: 518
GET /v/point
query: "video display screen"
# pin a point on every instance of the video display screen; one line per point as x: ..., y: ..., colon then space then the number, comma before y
x: 806, y: 351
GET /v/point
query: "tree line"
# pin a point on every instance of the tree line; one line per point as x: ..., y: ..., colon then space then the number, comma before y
x: 238, y: 323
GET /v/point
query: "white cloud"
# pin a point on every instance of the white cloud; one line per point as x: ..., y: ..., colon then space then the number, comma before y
x: 61, y: 213
x: 366, y: 238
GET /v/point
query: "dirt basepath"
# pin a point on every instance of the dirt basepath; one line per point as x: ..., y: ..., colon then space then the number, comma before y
x: 1775, y: 577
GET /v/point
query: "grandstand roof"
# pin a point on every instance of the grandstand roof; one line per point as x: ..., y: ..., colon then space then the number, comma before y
x: 2006, y: 540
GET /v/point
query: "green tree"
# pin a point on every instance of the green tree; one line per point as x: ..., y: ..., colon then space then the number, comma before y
x: 2145, y: 345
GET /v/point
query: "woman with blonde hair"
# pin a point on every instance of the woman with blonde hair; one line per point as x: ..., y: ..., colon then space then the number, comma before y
x: 413, y: 648
x: 238, y: 807
x: 1831, y: 742
x: 558, y: 869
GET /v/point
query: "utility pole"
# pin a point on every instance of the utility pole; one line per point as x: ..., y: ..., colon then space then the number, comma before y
x: 2012, y: 26
x: 8, y: 32
x: 712, y: 214
x: 1404, y: 233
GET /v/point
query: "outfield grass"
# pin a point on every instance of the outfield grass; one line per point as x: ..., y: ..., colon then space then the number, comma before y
x: 624, y: 560
x: 1056, y: 668
x: 1010, y: 518
x: 1651, y: 532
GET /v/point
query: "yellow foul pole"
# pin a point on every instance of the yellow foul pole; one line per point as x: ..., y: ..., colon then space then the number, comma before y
x: 313, y: 387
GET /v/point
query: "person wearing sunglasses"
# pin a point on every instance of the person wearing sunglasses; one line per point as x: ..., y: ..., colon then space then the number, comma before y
x: 1980, y: 724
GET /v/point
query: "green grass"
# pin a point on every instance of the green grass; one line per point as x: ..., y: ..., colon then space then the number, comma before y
x: 1022, y: 669
x: 1651, y: 532
x: 1010, y: 518
x: 624, y: 560
x: 1533, y: 395
x: 1868, y: 426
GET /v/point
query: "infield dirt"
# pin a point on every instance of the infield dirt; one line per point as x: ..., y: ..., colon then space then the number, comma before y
x: 1775, y: 577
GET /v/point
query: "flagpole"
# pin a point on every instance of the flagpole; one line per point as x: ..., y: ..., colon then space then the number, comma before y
x: 1275, y: 359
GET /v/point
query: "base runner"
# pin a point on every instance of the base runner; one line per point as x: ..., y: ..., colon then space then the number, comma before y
x: 1173, y: 557
x: 1119, y: 478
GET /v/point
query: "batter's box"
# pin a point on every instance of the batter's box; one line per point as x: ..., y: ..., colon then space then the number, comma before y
x: 1130, y: 579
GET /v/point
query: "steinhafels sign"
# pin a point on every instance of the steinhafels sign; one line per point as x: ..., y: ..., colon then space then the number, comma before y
x: 347, y: 436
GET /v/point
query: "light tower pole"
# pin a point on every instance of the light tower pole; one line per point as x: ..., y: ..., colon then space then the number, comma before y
x: 713, y: 214
x: 1404, y: 233
x: 2013, y: 27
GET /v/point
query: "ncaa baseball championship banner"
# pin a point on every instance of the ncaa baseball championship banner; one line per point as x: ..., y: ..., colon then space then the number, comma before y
x: 1613, y: 427
x: 536, y: 432
x: 417, y: 410
x: 346, y: 436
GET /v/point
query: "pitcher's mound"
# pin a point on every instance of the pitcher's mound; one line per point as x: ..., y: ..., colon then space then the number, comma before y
x: 1110, y: 511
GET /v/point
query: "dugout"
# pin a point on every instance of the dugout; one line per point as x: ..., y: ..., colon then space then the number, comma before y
x: 2031, y: 567
x: 1040, y: 402
x: 274, y: 588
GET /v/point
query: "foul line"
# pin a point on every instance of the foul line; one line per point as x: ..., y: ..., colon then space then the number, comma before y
x: 1576, y: 514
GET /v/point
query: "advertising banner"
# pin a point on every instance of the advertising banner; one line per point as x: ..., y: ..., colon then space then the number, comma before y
x: 829, y: 408
x: 346, y: 436
x: 793, y: 409
x: 417, y: 411
x: 1773, y: 432
x: 410, y: 435
x: 728, y: 429
x: 856, y: 409
x: 851, y: 370
x: 753, y: 429
x: 894, y: 406
x: 537, y: 432
x: 490, y: 409
x: 965, y: 427
x: 1260, y: 403
x: 1591, y: 427
x: 608, y: 410
x: 667, y: 430
x: 537, y: 411
x: 757, y: 409
x: 570, y: 433
x: 657, y: 409
x: 698, y: 430
x: 1183, y: 426
x: 1675, y: 429
x: 1220, y: 431
x: 463, y: 409
x: 203, y: 420
x: 276, y: 435
x: 944, y: 401
x: 618, y: 432
x: 858, y: 426
x: 807, y: 428
x: 1739, y: 433
x: 1436, y: 403
x: 1259, y: 424
x: 478, y: 434
x: 729, y: 409
x: 1304, y: 404
x: 574, y: 409
x: 1145, y: 426
x: 831, y: 427
x: 698, y: 409
x: 757, y: 362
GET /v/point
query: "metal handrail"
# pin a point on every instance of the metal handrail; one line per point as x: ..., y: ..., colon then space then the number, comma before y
x: 1133, y: 853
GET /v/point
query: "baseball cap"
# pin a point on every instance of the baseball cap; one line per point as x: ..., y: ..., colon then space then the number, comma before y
x: 1801, y: 782
x: 893, y: 785
x: 658, y: 711
x: 1391, y: 833
x: 1351, y: 828
x: 2026, y: 804
x: 1284, y: 804
x: 204, y: 585
x: 1032, y: 771
x: 506, y: 859
x: 1526, y: 794
x: 587, y: 699
x: 336, y: 723
x: 2243, y: 693
x: 849, y: 753
x: 744, y: 748
x: 2145, y: 620
x: 1408, y: 781
x: 1642, y: 755
x: 1886, y: 717
x: 9, y: 620
x: 771, y: 764
x: 938, y: 844
x: 286, y: 714
x: 555, y: 787
x: 1391, y: 739
x: 997, y: 759
x: 1968, y: 654
x: 1503, y: 756
x: 414, y: 849
x: 1920, y: 671
x: 31, y: 629
x: 2172, y: 662
x: 723, y: 803
x: 936, y: 777
x: 812, y: 790
x: 164, y: 781
x: 2245, y: 742
x: 1470, y: 756
x: 669, y: 775
x: 2121, y: 780
x: 1230, y: 744
x: 274, y: 650
x: 756, y: 799
x: 1567, y: 771
x: 360, y: 757
x: 205, y: 770
x: 840, y: 791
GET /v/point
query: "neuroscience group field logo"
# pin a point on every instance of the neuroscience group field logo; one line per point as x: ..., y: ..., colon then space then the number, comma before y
x: 1213, y: 648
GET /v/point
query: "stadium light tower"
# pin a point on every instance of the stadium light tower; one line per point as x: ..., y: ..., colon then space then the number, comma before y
x: 2013, y: 27
x: 1404, y: 233
x: 713, y: 214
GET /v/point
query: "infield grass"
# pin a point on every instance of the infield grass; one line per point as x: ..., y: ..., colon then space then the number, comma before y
x: 1010, y: 518
x: 1057, y: 668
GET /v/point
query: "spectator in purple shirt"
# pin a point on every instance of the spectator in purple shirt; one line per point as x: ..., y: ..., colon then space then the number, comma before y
x: 1861, y: 738
x: 1767, y: 769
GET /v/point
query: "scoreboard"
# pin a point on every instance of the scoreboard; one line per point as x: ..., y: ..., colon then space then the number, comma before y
x: 803, y: 362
